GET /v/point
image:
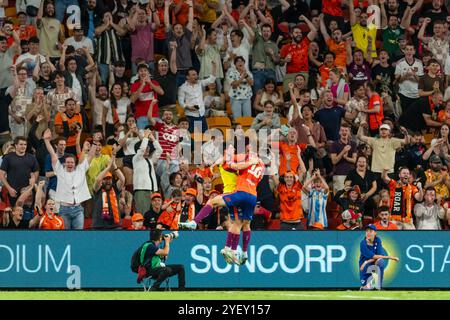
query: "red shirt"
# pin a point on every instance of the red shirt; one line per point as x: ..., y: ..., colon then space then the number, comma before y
x: 332, y: 7
x: 249, y: 178
x: 142, y: 103
x: 167, y: 138
x: 299, y: 53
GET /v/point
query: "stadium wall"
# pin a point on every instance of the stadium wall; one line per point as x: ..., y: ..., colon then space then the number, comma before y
x: 277, y: 259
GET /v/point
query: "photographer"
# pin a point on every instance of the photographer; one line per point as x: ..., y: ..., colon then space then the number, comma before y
x: 154, y: 260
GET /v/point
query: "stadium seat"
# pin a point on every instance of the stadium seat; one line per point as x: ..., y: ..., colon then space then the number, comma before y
x: 221, y: 123
x: 245, y: 122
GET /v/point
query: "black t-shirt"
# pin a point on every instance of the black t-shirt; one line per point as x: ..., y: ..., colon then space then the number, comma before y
x: 4, y: 105
x: 151, y: 218
x: 169, y: 84
x: 23, y: 224
x: 19, y: 168
x: 47, y: 85
x: 413, y: 119
x: 365, y: 184
x: 387, y: 74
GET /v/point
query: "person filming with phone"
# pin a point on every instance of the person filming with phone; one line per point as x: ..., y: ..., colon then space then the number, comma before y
x: 156, y: 253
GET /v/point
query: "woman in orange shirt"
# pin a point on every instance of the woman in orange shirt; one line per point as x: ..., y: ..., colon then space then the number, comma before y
x: 289, y: 189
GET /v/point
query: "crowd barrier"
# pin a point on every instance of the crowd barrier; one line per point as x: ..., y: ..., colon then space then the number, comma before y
x: 277, y: 259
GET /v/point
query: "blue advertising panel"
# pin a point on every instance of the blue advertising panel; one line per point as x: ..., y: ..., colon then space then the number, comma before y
x: 277, y: 259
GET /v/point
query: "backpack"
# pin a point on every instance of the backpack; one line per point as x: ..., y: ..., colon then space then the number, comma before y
x: 137, y: 259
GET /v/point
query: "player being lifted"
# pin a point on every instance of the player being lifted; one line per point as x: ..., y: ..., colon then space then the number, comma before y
x: 250, y: 173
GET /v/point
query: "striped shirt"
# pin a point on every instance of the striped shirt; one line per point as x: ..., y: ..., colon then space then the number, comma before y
x: 317, y: 207
x: 168, y: 139
x: 109, y: 48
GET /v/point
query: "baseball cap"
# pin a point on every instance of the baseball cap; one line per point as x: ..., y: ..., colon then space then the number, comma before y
x: 163, y: 60
x: 137, y: 216
x: 156, y: 195
x: 385, y: 126
x: 371, y: 226
x: 108, y: 175
x: 192, y: 192
x: 346, y: 215
x: 435, y: 159
x: 356, y: 189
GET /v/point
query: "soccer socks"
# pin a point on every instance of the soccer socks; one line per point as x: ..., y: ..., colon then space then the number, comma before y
x: 246, y: 240
x: 235, y: 241
x: 203, y: 213
x: 229, y: 241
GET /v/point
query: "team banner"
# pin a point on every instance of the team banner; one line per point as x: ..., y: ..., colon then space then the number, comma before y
x: 277, y: 259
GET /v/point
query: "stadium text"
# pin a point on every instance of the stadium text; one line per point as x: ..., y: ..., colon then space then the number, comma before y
x: 17, y: 258
x: 268, y: 259
x: 427, y: 258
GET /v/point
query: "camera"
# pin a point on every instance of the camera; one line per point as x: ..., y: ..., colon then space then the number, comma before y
x: 172, y: 235
x: 199, y: 179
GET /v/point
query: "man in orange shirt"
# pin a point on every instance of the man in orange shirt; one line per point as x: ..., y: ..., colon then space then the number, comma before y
x: 374, y: 110
x: 290, y: 193
x: 336, y: 45
x: 384, y: 223
x: 402, y: 195
x: 290, y: 153
x: 68, y: 123
x: 295, y: 54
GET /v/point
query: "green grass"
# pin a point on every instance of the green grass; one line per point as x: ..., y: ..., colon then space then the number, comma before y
x: 225, y: 295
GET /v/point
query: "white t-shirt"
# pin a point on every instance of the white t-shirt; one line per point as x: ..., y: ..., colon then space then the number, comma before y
x: 76, y: 87
x: 122, y: 106
x: 409, y: 88
x: 85, y: 42
x: 243, y: 50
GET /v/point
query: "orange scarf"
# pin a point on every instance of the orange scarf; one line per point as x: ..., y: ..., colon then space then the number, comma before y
x: 115, y: 115
x: 106, y: 215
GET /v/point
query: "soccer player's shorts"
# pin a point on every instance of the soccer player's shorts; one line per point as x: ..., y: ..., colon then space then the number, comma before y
x: 243, y: 200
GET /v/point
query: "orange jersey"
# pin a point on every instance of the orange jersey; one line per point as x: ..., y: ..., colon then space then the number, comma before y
x: 72, y: 139
x: 51, y: 222
x: 249, y: 178
x: 171, y: 219
x: 292, y: 150
x: 290, y: 202
x: 402, y: 201
x: 390, y: 226
x: 340, y: 51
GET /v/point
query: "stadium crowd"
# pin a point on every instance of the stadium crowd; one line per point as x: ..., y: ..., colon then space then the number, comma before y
x: 102, y: 115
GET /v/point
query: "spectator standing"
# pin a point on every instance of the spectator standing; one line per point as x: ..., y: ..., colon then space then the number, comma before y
x: 182, y: 36
x: 431, y: 82
x: 429, y: 213
x: 363, y: 32
x: 31, y: 58
x: 60, y: 148
x: 144, y: 174
x: 295, y: 54
x: 403, y: 194
x: 69, y: 124
x: 78, y: 41
x: 241, y: 81
x: 438, y: 44
x: 106, y: 213
x: 265, y: 57
x: 50, y: 31
x: 115, y: 110
x: 142, y: 27
x: 72, y: 188
x: 166, y: 76
x: 407, y: 73
x: 437, y: 177
x: 190, y: 98
x: 17, y: 168
x: 143, y: 92
x: 343, y: 157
